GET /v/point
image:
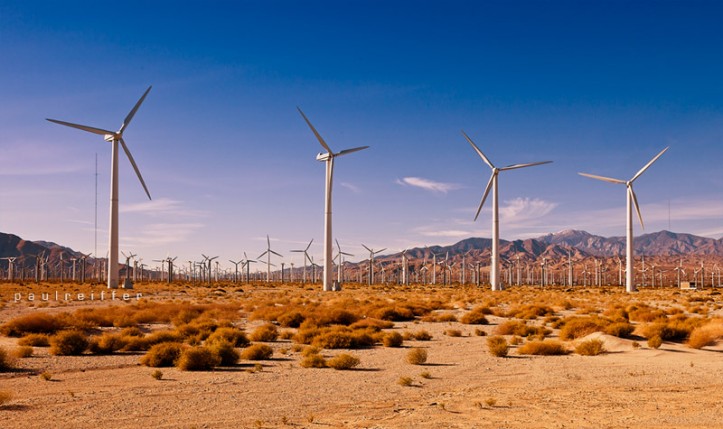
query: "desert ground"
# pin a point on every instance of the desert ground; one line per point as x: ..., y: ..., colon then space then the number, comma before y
x: 631, y: 384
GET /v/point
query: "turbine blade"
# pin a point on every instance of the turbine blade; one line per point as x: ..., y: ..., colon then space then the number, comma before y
x: 484, y: 197
x: 380, y: 250
x: 479, y: 152
x: 642, y: 170
x: 318, y: 137
x: 93, y: 130
x: 135, y: 167
x: 133, y: 111
x: 275, y: 253
x: 531, y: 164
x: 366, y: 247
x: 637, y: 207
x: 348, y: 151
x: 309, y: 245
x: 604, y: 179
x: 259, y: 257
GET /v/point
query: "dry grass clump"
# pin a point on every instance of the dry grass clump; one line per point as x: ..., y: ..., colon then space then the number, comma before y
x: 5, y: 397
x: 394, y: 314
x: 372, y: 324
x: 590, y: 347
x: 6, y: 361
x: 529, y: 311
x: 453, y: 333
x: 498, y: 346
x: 34, y: 323
x: 422, y: 335
x: 106, y: 343
x: 235, y: 336
x: 620, y: 329
x: 644, y: 313
x: 35, y: 340
x: 439, y: 317
x: 517, y: 327
x: 23, y: 352
x: 578, y: 327
x: 706, y: 335
x: 162, y: 354
x: 291, y: 319
x: 341, y: 337
x: 543, y: 348
x: 157, y: 374
x: 405, y: 381
x: 675, y: 329
x: 266, y: 333
x: 312, y: 358
x: 46, y: 376
x: 343, y: 362
x: 655, y: 342
x: 476, y: 316
x: 417, y: 356
x: 257, y: 352
x: 197, y: 359
x: 225, y: 352
x: 68, y: 343
x: 392, y: 339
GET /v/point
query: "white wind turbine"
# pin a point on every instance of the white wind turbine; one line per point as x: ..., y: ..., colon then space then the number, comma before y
x: 492, y: 184
x: 328, y: 157
x: 340, y: 264
x: 372, y: 253
x: 305, y: 257
x: 632, y: 200
x: 268, y: 263
x: 114, y: 138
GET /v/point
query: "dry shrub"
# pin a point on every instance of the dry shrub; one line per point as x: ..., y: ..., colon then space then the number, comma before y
x: 476, y: 316
x: 590, y: 347
x: 35, y: 340
x: 655, y: 342
x: 5, y: 397
x: 405, y: 381
x: 543, y: 348
x: 453, y: 333
x: 578, y: 327
x: 313, y: 360
x: 266, y: 333
x: 6, y: 361
x: 46, y: 376
x: 235, y: 336
x: 132, y: 331
x: 333, y: 316
x: 422, y: 335
x: 341, y: 337
x: 35, y: 323
x: 417, y: 356
x: 343, y: 361
x: 257, y: 352
x: 23, y: 352
x: 394, y: 314
x: 620, y: 329
x: 644, y: 313
x: 372, y: 324
x: 498, y: 346
x: 671, y: 330
x: 311, y: 350
x: 197, y: 359
x: 162, y: 354
x: 479, y: 332
x: 107, y: 343
x: 706, y: 335
x: 225, y: 352
x: 440, y: 318
x: 157, y: 374
x: 516, y: 327
x: 68, y: 343
x: 292, y: 319
x: 392, y: 339
x: 530, y: 311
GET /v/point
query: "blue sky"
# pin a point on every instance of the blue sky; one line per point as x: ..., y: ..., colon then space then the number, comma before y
x: 598, y: 87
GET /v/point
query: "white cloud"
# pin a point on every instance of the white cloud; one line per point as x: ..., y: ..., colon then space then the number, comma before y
x: 428, y: 185
x: 523, y: 210
x: 161, y: 234
x: 161, y: 206
x: 350, y: 187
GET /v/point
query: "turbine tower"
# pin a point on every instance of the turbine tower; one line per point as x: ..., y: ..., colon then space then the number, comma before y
x: 268, y: 263
x: 632, y: 200
x: 328, y: 158
x: 114, y: 138
x: 492, y: 184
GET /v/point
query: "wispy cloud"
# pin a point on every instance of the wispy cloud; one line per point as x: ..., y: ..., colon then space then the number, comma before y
x: 523, y: 210
x: 33, y: 159
x: 453, y: 233
x: 427, y: 184
x: 161, y: 234
x: 351, y: 187
x: 161, y: 206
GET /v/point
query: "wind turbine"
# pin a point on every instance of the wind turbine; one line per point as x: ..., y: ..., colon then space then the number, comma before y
x: 632, y: 200
x: 114, y: 138
x: 306, y: 257
x: 340, y: 265
x: 268, y: 263
x: 371, y: 262
x: 492, y: 184
x: 328, y: 158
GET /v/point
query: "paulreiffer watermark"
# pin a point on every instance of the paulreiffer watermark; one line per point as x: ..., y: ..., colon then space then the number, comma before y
x: 67, y: 296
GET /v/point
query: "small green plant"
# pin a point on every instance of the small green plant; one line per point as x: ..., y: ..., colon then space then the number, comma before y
x: 157, y: 374
x: 404, y: 381
x: 498, y: 346
x: 343, y: 361
x: 46, y: 376
x: 417, y: 356
x: 590, y: 347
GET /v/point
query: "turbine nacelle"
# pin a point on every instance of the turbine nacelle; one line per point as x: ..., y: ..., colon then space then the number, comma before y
x: 324, y: 156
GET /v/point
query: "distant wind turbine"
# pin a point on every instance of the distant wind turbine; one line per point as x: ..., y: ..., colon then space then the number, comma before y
x: 492, y: 184
x: 114, y: 138
x: 268, y: 263
x: 306, y: 257
x: 328, y: 157
x: 632, y: 200
x: 372, y: 253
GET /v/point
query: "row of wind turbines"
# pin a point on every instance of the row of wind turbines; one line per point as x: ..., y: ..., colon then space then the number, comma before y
x: 328, y: 157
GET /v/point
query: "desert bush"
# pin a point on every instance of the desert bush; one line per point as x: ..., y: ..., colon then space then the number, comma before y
x: 225, y: 351
x: 530, y: 311
x: 157, y: 374
x: 35, y: 323
x: 417, y: 356
x: 343, y: 361
x: 476, y: 316
x: 578, y: 327
x: 706, y: 335
x: 46, y: 376
x: 392, y: 339
x: 131, y: 331
x: 405, y: 381
x: 590, y: 347
x: 422, y: 335
x: 498, y: 346
x: 5, y: 397
x: 333, y: 316
x: 197, y: 359
x: 620, y: 329
x: 394, y: 314
x: 372, y: 324
x: 453, y: 333
x: 68, y: 343
x: 23, y: 352
x: 668, y: 330
x: 6, y: 361
x: 439, y: 317
x: 257, y: 352
x: 266, y: 333
x: 35, y: 340
x: 292, y: 319
x: 162, y: 354
x: 655, y: 342
x: 314, y: 360
x: 311, y: 350
x: 235, y: 336
x: 341, y: 337
x: 644, y: 313
x: 306, y: 334
x: 106, y: 343
x: 516, y: 327
x: 544, y: 348
x: 479, y: 332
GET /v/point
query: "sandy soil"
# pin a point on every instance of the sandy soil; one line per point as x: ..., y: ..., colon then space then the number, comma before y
x: 672, y: 387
